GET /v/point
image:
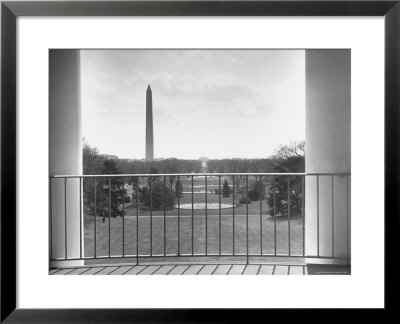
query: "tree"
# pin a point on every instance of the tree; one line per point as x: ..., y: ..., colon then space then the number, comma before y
x: 91, y: 165
x: 153, y: 171
x: 111, y: 191
x: 253, y: 195
x: 90, y: 158
x: 178, y: 189
x: 257, y: 191
x: 170, y: 166
x: 152, y: 178
x: 241, y: 166
x: 226, y: 190
x: 158, y: 195
x: 259, y: 187
x: 283, y: 193
x: 110, y: 167
x: 288, y: 158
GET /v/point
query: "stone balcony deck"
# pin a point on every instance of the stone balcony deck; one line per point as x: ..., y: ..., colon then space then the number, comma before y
x: 203, y: 269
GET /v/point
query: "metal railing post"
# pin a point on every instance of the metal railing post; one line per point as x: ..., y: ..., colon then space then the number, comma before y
x: 95, y: 219
x: 80, y: 218
x: 165, y: 220
x: 273, y: 186
x: 247, y: 220
x: 233, y: 215
x: 192, y: 219
x: 261, y: 223
x: 318, y: 215
x: 333, y: 218
x: 219, y: 215
x: 288, y: 202
x: 65, y: 219
x: 151, y: 215
x: 109, y: 217
x: 137, y: 221
x: 179, y: 216
x: 123, y: 217
x: 206, y: 206
x: 303, y: 212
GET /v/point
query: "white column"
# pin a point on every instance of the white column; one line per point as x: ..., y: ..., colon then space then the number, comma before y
x: 65, y: 154
x: 328, y: 131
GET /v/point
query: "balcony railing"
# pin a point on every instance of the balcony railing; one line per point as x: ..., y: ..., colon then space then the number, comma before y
x: 209, y: 214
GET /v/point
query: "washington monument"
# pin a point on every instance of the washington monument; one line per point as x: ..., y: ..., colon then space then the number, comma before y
x: 149, y: 125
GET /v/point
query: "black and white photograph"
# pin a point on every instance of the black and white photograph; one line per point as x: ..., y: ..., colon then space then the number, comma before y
x: 199, y: 161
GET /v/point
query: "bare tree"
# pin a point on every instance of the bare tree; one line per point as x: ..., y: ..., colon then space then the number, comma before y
x: 171, y: 166
x: 290, y: 158
x: 238, y: 166
x: 91, y: 158
x: 291, y: 150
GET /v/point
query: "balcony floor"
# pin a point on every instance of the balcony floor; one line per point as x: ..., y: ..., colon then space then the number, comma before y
x: 203, y: 269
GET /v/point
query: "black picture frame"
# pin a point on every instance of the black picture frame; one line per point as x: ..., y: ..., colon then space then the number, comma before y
x: 10, y: 10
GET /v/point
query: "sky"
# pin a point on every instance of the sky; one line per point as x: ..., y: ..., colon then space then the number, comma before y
x: 213, y: 103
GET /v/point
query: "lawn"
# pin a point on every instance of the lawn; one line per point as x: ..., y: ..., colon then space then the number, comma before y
x: 220, y: 224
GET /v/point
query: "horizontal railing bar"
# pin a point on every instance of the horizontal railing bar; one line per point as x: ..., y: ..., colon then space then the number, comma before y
x: 208, y: 255
x: 199, y: 175
x: 131, y: 265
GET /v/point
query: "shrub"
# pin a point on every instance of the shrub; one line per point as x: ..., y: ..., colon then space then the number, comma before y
x: 144, y: 191
x: 241, y: 190
x: 281, y: 196
x: 116, y: 205
x: 135, y: 194
x: 178, y: 189
x: 226, y: 190
x: 244, y: 200
x: 155, y: 196
x: 102, y: 203
x: 253, y: 195
x: 259, y: 187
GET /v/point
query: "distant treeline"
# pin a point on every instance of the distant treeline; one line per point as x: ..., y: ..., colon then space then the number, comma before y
x: 287, y: 158
x: 240, y: 165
